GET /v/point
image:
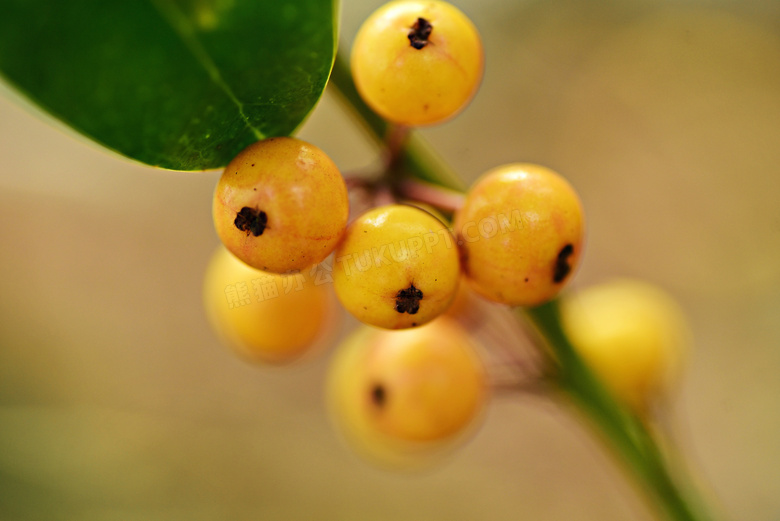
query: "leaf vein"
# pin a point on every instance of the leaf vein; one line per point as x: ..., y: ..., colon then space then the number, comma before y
x: 186, y: 31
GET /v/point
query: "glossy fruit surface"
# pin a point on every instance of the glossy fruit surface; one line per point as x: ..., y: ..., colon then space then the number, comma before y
x: 401, y: 397
x: 397, y: 267
x: 266, y: 317
x: 417, y: 62
x: 632, y: 334
x: 281, y: 205
x: 521, y: 233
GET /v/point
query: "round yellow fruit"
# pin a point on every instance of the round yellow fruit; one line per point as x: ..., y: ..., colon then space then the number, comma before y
x: 397, y: 267
x: 403, y: 397
x: 632, y: 334
x: 281, y: 205
x: 266, y: 317
x: 521, y: 231
x: 417, y: 62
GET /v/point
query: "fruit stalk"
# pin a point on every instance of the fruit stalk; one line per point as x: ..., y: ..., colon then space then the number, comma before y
x: 435, y: 195
x: 628, y: 437
x: 417, y: 157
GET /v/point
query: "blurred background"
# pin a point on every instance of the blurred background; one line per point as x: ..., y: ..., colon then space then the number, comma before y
x: 118, y: 403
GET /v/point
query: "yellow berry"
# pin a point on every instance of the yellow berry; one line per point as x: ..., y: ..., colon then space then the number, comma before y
x: 403, y: 397
x: 632, y: 334
x: 266, y: 317
x: 417, y: 62
x: 521, y: 233
x: 397, y: 267
x: 281, y: 205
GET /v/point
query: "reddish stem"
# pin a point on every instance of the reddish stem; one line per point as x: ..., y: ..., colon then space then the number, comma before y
x: 437, y: 196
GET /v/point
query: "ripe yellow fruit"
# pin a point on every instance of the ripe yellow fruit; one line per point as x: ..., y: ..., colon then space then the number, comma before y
x: 266, y: 317
x: 397, y: 267
x: 402, y: 398
x: 281, y: 205
x: 521, y: 232
x: 632, y: 334
x: 417, y: 62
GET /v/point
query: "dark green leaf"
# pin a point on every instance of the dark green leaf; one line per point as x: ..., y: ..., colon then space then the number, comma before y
x: 179, y: 84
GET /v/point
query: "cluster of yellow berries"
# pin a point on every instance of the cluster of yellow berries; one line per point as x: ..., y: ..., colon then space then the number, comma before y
x: 281, y: 208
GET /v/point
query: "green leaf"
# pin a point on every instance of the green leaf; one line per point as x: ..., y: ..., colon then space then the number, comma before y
x: 179, y: 84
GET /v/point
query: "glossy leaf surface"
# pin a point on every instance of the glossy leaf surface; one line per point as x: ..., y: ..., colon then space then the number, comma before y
x: 179, y: 84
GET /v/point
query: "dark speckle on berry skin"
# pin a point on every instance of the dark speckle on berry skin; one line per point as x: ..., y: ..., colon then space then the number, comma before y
x: 562, y: 267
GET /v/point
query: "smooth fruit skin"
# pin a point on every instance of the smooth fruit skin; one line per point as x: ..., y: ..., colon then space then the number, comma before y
x: 397, y: 267
x: 301, y: 194
x: 632, y: 334
x: 403, y: 398
x: 521, y: 232
x: 410, y: 86
x: 266, y: 317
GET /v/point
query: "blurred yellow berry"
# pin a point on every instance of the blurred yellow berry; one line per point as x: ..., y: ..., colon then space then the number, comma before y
x: 521, y: 232
x: 417, y: 62
x: 632, y: 334
x: 266, y: 317
x: 404, y: 397
x: 397, y: 267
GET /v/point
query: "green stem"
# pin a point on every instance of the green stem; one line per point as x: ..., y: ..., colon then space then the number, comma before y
x: 628, y: 436
x: 417, y: 157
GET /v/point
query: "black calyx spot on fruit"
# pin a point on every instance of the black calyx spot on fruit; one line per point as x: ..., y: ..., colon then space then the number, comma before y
x: 378, y: 395
x: 251, y: 221
x: 562, y: 267
x: 408, y: 300
x: 419, y: 33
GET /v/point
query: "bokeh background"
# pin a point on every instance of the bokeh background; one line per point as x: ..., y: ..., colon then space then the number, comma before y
x: 118, y: 403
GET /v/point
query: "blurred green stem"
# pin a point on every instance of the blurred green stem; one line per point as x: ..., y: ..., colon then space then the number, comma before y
x: 629, y: 437
x: 626, y: 434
